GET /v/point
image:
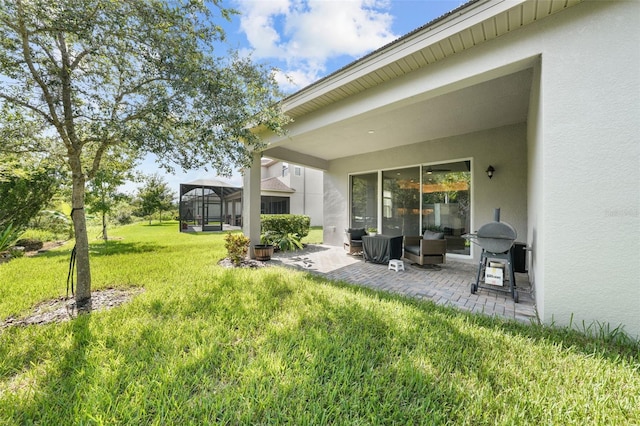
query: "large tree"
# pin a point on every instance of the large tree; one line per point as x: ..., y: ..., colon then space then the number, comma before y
x: 141, y: 74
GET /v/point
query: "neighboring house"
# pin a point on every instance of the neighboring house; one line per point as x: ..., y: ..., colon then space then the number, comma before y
x: 546, y: 92
x: 207, y: 204
x: 290, y: 188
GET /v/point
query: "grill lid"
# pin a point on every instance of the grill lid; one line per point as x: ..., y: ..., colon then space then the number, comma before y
x: 498, y: 230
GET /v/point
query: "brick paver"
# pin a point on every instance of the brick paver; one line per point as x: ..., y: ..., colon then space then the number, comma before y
x: 450, y: 285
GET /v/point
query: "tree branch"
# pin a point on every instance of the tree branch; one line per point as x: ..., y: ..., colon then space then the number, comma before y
x: 27, y: 105
x: 26, y: 52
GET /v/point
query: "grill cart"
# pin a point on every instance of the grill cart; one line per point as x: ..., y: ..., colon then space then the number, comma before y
x: 496, y: 239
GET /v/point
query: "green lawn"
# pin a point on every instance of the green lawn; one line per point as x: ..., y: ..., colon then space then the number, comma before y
x: 314, y: 237
x: 203, y: 344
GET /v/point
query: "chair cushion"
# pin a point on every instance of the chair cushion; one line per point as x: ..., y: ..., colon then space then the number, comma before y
x: 430, y: 235
x: 357, y: 233
x: 412, y: 249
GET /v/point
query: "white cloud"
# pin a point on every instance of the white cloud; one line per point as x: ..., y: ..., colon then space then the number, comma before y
x: 305, y: 34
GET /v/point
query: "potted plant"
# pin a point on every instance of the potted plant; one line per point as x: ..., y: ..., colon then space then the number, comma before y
x: 274, y: 241
x: 372, y: 231
x: 265, y: 250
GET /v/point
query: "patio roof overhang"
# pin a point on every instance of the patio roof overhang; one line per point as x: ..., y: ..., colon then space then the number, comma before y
x: 222, y: 189
x: 404, y: 93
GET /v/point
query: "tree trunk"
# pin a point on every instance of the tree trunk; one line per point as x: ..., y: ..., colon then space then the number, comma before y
x: 104, y: 226
x: 83, y: 286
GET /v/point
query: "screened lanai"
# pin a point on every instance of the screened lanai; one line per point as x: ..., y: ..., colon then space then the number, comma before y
x: 206, y: 205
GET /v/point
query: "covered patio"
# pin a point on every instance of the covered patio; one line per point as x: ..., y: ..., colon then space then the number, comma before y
x: 487, y: 86
x: 448, y: 286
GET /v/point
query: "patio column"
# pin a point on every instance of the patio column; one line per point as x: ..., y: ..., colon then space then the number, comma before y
x: 251, y: 202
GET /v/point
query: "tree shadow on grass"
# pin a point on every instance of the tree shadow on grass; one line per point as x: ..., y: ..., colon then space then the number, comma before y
x: 107, y: 249
x: 65, y: 356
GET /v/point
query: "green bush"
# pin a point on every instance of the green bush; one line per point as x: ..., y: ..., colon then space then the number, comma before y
x: 8, y: 236
x: 284, y: 242
x: 237, y: 246
x: 285, y: 224
x: 40, y: 234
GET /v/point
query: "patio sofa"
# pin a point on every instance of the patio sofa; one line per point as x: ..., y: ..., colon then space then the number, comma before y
x: 427, y: 249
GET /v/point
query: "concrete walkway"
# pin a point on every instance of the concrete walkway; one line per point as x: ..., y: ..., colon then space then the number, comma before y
x: 450, y: 285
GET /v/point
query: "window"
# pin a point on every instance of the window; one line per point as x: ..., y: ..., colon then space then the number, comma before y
x: 274, y: 205
x: 364, y: 200
x: 297, y: 171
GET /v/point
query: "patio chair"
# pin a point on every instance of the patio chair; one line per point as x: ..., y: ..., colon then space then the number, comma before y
x: 427, y: 249
x: 353, y: 240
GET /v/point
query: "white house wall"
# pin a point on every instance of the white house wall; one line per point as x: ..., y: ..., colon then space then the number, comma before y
x: 307, y: 199
x: 590, y: 166
x: 580, y: 203
x: 504, y: 148
x: 583, y: 185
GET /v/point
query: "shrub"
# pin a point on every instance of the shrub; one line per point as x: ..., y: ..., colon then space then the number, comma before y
x: 122, y: 213
x: 40, y: 235
x: 285, y: 224
x: 237, y: 246
x: 8, y: 236
x: 29, y: 244
x: 284, y: 242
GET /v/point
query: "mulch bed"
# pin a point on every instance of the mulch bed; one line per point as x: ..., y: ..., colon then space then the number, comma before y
x: 63, y: 309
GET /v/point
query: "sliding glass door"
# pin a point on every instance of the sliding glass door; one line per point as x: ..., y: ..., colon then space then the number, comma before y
x: 364, y: 200
x: 446, y: 203
x: 414, y: 199
x: 401, y: 201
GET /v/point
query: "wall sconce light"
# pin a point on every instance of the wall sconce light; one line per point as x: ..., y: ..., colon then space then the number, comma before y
x: 490, y: 171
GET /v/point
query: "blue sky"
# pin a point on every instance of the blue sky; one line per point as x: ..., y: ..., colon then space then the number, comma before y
x: 309, y: 39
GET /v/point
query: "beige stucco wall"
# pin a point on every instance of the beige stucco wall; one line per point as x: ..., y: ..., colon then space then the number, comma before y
x: 589, y: 166
x: 504, y: 148
x: 307, y: 199
x: 583, y: 159
x: 308, y: 195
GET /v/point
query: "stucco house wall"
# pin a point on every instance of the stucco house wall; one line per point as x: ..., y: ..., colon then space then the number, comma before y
x: 583, y: 182
x: 308, y: 195
x: 567, y: 176
x: 504, y: 148
x: 588, y: 170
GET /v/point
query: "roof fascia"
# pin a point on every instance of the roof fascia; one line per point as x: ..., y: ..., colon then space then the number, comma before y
x: 449, y: 25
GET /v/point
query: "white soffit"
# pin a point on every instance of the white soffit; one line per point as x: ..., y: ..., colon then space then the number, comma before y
x: 468, y: 26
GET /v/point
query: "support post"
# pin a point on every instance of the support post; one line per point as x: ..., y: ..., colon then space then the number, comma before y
x: 251, y: 203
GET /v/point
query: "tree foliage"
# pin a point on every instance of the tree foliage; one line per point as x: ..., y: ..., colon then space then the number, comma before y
x: 25, y: 189
x: 103, y: 190
x: 91, y: 75
x: 155, y: 196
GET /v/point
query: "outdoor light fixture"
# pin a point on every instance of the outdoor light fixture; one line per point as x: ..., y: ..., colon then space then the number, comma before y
x: 490, y: 171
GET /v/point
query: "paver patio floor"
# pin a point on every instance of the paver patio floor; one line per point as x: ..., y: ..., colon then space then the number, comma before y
x: 450, y: 285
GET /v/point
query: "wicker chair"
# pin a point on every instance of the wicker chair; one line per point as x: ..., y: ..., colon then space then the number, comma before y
x: 353, y: 240
x: 430, y: 249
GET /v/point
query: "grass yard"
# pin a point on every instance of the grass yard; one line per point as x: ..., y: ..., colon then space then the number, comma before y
x: 203, y: 344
